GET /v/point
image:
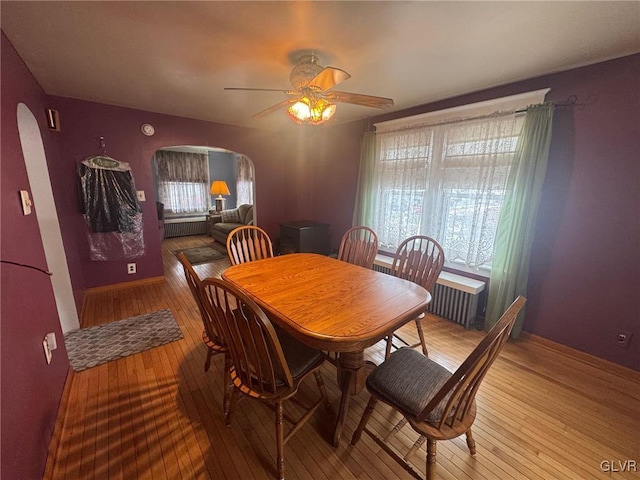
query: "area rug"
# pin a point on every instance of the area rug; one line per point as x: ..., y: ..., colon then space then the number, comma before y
x: 89, y: 347
x: 205, y: 254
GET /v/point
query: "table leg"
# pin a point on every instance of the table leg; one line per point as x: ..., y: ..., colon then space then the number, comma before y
x: 351, y: 378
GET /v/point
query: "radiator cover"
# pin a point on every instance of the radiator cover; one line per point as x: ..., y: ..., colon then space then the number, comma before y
x: 183, y: 229
x: 449, y: 302
x: 456, y: 305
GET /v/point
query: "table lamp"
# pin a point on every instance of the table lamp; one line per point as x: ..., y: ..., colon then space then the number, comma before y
x: 219, y: 187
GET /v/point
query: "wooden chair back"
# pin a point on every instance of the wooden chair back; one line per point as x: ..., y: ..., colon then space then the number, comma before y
x: 259, y: 366
x: 248, y: 243
x: 193, y: 280
x: 419, y: 259
x: 359, y: 246
x: 460, y: 390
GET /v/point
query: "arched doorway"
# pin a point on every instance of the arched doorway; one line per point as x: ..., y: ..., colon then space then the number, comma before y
x: 184, y: 177
x: 40, y: 185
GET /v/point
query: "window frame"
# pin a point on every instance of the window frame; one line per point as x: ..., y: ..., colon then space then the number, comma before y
x: 205, y: 195
x: 433, y: 119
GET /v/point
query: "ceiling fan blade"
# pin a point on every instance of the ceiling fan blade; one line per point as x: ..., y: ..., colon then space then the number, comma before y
x: 274, y: 108
x: 288, y: 92
x: 359, y: 99
x: 328, y: 78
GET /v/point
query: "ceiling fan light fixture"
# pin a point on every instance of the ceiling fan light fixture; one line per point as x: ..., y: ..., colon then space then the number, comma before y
x: 311, y: 111
x: 314, y: 99
x: 300, y: 111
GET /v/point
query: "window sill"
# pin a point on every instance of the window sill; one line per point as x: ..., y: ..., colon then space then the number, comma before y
x: 448, y: 279
x: 185, y: 218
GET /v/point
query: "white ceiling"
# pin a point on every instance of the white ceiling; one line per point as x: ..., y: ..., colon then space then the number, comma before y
x: 176, y: 57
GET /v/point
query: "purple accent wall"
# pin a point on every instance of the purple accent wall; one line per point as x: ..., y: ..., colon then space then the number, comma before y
x: 333, y: 176
x: 31, y: 389
x: 585, y: 267
x: 584, y: 281
x: 83, y: 123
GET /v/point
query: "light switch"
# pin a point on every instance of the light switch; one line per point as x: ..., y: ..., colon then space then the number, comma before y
x: 47, y: 350
x: 51, y: 340
x: 26, y: 202
x: 141, y: 197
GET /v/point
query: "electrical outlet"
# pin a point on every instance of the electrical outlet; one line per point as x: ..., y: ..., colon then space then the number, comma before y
x: 131, y: 268
x: 623, y: 339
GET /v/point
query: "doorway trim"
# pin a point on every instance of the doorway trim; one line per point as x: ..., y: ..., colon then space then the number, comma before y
x: 47, y: 217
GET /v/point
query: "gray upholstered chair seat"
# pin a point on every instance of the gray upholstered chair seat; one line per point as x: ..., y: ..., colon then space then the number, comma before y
x: 410, y: 383
x: 409, y: 380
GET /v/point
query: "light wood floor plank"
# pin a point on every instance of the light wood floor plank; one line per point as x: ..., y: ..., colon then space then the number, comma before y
x: 544, y: 411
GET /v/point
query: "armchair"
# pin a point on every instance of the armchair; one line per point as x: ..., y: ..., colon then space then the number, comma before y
x: 223, y: 223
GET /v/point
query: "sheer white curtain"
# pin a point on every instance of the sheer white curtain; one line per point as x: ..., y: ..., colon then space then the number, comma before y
x: 183, y: 181
x: 244, y: 183
x: 447, y: 181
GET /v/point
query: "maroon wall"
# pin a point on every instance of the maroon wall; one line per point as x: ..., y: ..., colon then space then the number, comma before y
x: 585, y: 266
x: 333, y: 175
x: 321, y: 176
x: 83, y: 123
x: 31, y: 389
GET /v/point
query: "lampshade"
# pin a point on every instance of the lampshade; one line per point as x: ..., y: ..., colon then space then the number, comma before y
x: 311, y: 110
x: 219, y: 187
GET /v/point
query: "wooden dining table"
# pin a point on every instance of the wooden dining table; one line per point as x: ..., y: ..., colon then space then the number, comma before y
x: 333, y: 306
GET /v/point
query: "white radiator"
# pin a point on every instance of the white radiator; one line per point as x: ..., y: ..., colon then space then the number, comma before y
x: 181, y: 227
x: 454, y: 297
x: 456, y: 305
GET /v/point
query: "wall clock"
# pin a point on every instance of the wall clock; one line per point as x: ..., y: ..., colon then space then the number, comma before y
x: 148, y: 129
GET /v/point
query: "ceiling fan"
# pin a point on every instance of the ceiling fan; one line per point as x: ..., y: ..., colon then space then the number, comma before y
x: 313, y: 99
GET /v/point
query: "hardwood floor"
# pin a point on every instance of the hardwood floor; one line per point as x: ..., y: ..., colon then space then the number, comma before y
x: 543, y: 412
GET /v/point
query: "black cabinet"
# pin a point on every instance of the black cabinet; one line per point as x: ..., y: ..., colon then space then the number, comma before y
x: 304, y: 237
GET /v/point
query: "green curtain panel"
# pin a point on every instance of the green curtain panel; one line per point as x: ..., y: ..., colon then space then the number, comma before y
x: 510, y: 267
x: 363, y: 209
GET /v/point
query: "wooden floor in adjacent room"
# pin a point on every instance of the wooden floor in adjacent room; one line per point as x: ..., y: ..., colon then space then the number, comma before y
x: 543, y: 412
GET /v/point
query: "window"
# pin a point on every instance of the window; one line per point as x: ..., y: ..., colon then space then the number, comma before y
x: 244, y: 184
x: 183, y: 181
x: 444, y: 178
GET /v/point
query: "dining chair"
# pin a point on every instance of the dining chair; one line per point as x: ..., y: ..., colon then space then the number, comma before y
x: 265, y: 365
x: 438, y: 404
x: 248, y: 243
x: 418, y: 259
x: 211, y: 335
x: 359, y: 245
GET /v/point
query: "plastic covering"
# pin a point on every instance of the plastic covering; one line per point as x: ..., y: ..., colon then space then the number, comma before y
x: 111, y: 210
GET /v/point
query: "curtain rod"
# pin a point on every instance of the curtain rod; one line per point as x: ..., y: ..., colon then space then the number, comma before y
x: 572, y: 101
x: 508, y: 103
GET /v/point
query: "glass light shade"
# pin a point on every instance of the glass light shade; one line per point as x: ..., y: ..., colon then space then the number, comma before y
x: 299, y: 111
x: 219, y: 187
x: 312, y: 111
